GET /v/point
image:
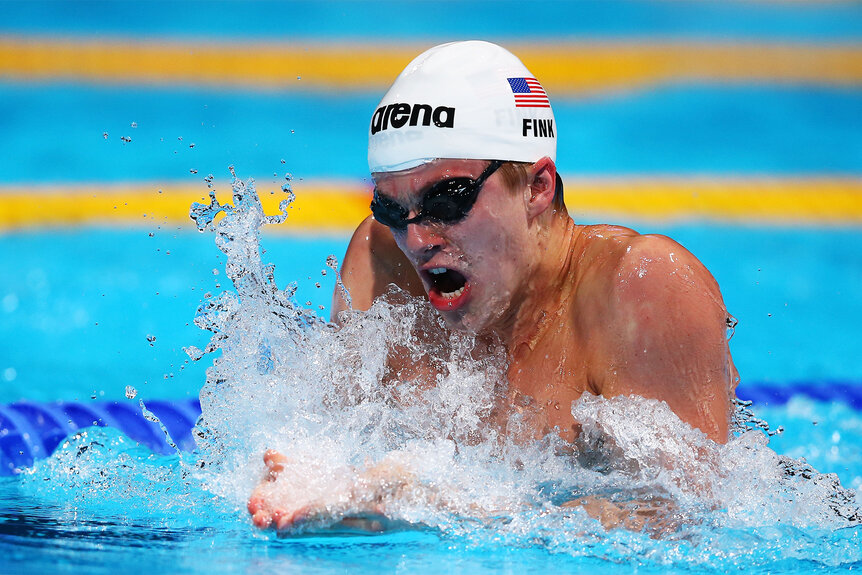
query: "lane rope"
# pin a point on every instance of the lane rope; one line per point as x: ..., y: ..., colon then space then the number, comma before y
x: 566, y: 68
x: 33, y: 430
x: 338, y: 206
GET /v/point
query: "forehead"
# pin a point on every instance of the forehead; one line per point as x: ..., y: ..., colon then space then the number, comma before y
x: 418, y: 179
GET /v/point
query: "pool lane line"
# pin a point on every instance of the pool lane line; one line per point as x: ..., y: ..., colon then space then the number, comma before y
x: 565, y: 68
x: 321, y: 207
x: 32, y: 430
x: 338, y: 206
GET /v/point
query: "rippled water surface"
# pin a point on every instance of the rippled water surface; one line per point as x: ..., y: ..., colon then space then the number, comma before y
x: 280, y: 377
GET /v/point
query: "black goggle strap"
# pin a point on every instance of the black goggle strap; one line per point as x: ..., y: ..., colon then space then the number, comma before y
x: 383, y: 207
x: 558, y: 191
x: 492, y: 167
x: 463, y: 191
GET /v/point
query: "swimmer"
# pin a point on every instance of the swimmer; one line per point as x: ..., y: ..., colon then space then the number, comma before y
x: 468, y: 211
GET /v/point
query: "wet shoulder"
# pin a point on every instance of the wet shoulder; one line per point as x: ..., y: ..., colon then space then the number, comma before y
x: 598, y: 249
x: 609, y: 252
x: 616, y: 266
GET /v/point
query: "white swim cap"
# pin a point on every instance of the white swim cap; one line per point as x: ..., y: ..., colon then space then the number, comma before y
x: 465, y: 100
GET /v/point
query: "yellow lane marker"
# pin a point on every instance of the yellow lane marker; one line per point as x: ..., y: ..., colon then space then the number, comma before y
x: 337, y: 207
x: 324, y: 207
x: 564, y: 68
x: 812, y: 200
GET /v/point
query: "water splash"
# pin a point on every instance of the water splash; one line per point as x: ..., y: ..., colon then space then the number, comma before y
x: 341, y: 401
x: 150, y: 416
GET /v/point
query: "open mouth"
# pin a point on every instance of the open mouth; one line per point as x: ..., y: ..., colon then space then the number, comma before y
x: 448, y: 290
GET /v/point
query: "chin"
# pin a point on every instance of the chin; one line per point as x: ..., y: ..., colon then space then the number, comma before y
x: 464, y: 321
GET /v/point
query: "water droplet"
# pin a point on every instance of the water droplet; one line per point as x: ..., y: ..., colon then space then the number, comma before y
x: 151, y: 338
x: 105, y: 135
x: 151, y: 234
x: 193, y: 171
x: 125, y: 139
x: 323, y: 272
x: 134, y: 124
x: 192, y: 145
x: 283, y: 162
x: 131, y: 392
x: 193, y: 352
x: 317, y: 284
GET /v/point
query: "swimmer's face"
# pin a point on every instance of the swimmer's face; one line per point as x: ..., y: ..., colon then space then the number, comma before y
x: 474, y: 268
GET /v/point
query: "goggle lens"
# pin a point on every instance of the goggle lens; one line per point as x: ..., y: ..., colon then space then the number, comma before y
x: 447, y: 202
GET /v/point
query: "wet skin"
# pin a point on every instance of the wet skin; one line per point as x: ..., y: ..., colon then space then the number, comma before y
x: 597, y: 309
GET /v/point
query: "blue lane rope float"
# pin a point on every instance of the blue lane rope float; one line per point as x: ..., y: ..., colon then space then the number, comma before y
x: 31, y: 430
x: 826, y: 391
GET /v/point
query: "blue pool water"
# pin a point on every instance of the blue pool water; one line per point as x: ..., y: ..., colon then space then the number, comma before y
x: 88, y: 312
x: 79, y: 331
x: 77, y: 315
x: 678, y: 129
x: 421, y: 20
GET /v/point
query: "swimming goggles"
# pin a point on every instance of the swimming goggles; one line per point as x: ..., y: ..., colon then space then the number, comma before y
x: 447, y: 202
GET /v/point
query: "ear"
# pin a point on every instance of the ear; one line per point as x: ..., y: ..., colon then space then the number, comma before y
x: 542, y: 187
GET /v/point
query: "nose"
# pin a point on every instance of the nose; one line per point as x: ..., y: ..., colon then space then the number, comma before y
x: 421, y: 238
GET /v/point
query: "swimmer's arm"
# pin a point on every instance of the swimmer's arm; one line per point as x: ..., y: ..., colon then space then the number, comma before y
x: 372, y: 262
x: 655, y: 516
x: 665, y: 335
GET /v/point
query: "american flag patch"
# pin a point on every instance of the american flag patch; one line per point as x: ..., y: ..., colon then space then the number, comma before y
x: 528, y: 93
